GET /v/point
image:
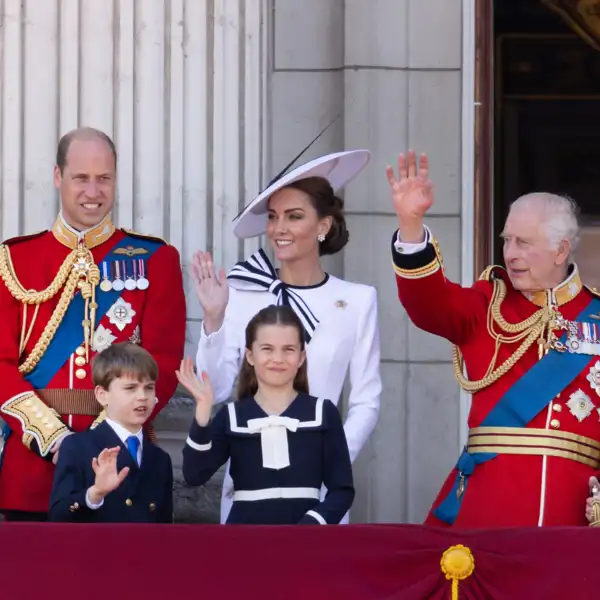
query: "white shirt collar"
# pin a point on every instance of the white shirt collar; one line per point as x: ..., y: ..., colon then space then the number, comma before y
x: 124, y: 433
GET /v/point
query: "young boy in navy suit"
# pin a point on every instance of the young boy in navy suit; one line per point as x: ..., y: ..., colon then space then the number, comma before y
x: 114, y: 473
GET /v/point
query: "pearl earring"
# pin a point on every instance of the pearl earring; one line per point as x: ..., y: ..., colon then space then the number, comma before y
x: 321, y: 237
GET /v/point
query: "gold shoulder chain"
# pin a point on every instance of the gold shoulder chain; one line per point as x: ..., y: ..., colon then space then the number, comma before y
x: 529, y: 331
x: 77, y: 271
x: 8, y: 275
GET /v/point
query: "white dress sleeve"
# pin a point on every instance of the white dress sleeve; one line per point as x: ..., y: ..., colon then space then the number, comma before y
x: 365, y: 379
x: 219, y: 353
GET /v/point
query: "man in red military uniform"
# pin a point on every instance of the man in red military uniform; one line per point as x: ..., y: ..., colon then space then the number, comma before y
x: 65, y: 295
x: 529, y: 338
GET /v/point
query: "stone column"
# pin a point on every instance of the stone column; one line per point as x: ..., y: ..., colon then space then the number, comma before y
x: 403, y: 90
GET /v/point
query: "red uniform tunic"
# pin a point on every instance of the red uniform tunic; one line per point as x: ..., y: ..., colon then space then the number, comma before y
x: 154, y: 317
x: 520, y: 489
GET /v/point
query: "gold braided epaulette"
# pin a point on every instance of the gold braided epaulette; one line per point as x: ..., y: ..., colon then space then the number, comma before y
x: 490, y: 273
x: 136, y: 234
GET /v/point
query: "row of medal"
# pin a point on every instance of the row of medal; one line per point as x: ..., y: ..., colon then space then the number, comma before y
x: 119, y: 275
x: 583, y: 338
x: 584, y: 332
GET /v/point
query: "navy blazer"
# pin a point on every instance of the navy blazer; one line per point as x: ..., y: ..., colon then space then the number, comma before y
x: 145, y: 496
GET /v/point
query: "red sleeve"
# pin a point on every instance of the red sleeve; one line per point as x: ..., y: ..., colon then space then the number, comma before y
x: 163, y: 322
x: 38, y: 426
x: 433, y: 303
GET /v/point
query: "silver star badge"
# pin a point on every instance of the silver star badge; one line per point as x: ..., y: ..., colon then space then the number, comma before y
x: 580, y: 405
x: 120, y: 314
x: 103, y: 338
x: 594, y: 377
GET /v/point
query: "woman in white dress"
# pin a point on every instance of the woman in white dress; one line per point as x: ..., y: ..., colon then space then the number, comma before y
x: 303, y: 220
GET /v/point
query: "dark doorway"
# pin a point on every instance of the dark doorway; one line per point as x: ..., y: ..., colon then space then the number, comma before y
x: 547, y: 116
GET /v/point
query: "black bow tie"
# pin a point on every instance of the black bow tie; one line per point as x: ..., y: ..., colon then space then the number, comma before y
x: 257, y: 273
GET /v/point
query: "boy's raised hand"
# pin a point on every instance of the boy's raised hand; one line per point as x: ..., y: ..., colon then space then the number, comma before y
x: 107, y: 477
x: 200, y: 389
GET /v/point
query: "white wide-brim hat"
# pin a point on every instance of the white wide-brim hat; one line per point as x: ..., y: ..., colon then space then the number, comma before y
x: 338, y: 168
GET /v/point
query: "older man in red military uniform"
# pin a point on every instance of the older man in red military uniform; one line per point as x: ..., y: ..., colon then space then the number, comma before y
x: 529, y: 338
x: 66, y: 294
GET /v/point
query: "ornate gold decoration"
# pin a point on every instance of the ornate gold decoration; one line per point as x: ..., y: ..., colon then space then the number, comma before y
x: 563, y: 293
x: 457, y: 564
x: 77, y: 271
x: 130, y: 251
x: 528, y: 332
x: 90, y: 238
x: 38, y: 421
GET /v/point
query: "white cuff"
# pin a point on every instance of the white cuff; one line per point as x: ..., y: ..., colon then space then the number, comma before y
x: 404, y: 248
x: 316, y: 516
x: 209, y: 337
x: 198, y: 447
x: 89, y: 502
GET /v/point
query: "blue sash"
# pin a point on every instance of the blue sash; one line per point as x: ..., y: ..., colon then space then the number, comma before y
x: 69, y: 333
x: 525, y: 399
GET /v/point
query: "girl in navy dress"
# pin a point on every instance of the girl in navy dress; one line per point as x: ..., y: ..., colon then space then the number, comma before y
x: 283, y: 443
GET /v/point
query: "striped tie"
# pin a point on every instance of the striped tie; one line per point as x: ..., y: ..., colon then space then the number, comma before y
x: 257, y: 273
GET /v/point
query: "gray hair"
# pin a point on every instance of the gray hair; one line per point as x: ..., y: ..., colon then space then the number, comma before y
x: 561, y: 216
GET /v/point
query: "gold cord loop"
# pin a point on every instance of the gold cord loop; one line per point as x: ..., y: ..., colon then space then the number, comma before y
x: 527, y: 332
x: 77, y: 271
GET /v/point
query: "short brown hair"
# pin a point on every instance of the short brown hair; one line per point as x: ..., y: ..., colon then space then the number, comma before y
x: 83, y: 133
x: 247, y: 384
x: 124, y: 358
x: 327, y: 204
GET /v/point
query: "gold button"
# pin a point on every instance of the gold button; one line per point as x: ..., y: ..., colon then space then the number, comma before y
x: 80, y: 373
x: 80, y: 351
x: 555, y: 423
x: 152, y: 507
x: 557, y: 407
x: 80, y: 361
x: 129, y: 502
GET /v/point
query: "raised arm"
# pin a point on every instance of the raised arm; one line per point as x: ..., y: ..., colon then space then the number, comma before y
x: 433, y: 303
x: 207, y: 446
x: 206, y: 449
x: 218, y: 348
